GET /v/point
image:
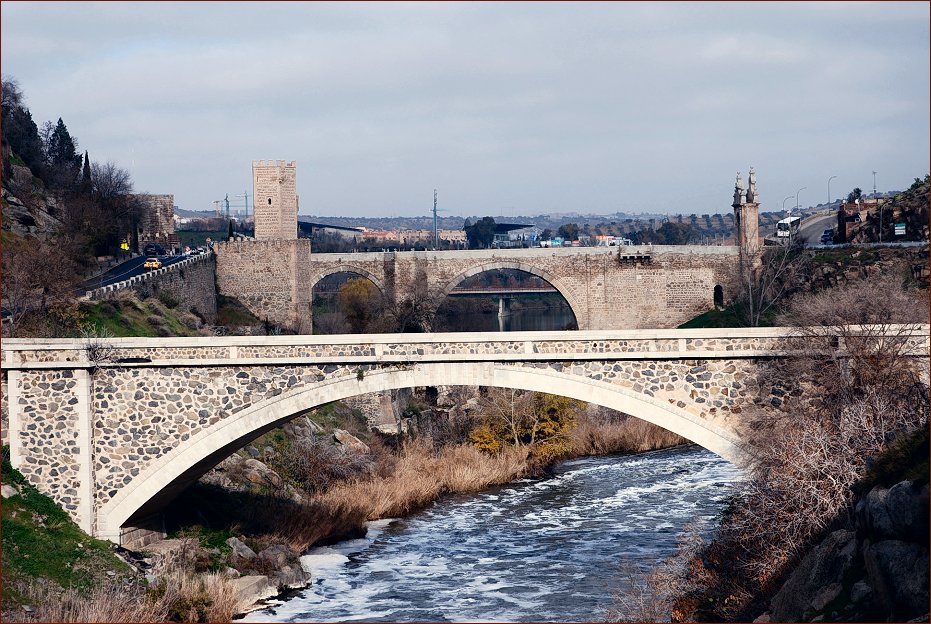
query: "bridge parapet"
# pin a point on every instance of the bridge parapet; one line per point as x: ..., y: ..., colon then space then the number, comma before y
x: 437, y: 347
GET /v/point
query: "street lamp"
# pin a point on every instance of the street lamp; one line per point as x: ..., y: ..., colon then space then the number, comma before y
x: 829, y: 188
x: 784, y: 203
x: 796, y: 196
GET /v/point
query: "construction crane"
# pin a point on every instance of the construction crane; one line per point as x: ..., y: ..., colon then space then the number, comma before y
x: 222, y: 206
x: 436, y: 232
x: 245, y: 203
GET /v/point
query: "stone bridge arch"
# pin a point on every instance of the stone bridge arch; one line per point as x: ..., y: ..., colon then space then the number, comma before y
x: 163, y: 478
x: 348, y: 268
x: 554, y: 281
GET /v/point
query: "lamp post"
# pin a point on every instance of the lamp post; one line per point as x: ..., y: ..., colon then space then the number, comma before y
x: 829, y: 188
x: 796, y: 196
x: 784, y: 203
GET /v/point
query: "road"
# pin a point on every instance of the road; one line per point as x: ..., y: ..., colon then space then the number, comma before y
x: 813, y: 227
x: 130, y: 268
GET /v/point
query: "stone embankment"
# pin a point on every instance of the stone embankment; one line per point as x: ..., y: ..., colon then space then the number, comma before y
x: 191, y: 283
x: 874, y: 570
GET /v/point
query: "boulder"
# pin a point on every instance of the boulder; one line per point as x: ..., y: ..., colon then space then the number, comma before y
x: 350, y: 441
x: 240, y: 550
x: 897, y: 571
x: 290, y: 577
x: 817, y: 580
x: 7, y: 490
x: 251, y: 589
x: 276, y: 555
x: 898, y: 513
x: 256, y: 472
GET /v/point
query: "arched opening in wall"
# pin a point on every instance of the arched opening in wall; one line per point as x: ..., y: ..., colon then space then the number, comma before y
x: 504, y: 299
x: 347, y: 303
x: 718, y: 297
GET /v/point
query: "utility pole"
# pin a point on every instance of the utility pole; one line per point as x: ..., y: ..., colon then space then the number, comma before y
x: 436, y: 233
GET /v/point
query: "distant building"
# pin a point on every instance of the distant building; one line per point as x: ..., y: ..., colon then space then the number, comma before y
x: 514, y: 235
x: 157, y: 224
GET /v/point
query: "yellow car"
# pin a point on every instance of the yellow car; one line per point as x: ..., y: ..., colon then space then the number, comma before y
x: 153, y: 263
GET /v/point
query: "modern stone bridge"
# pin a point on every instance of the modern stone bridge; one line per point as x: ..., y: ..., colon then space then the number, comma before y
x: 113, y: 429
x: 607, y: 287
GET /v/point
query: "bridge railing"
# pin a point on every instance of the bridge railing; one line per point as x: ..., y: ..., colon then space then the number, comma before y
x: 411, y: 348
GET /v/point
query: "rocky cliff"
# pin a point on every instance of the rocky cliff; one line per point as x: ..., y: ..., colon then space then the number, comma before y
x: 874, y: 570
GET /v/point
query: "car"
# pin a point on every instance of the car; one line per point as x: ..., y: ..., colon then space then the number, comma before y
x: 152, y: 263
x: 153, y: 249
x: 827, y: 237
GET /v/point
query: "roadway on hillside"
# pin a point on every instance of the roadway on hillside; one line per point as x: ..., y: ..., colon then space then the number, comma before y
x: 813, y: 227
x: 124, y: 271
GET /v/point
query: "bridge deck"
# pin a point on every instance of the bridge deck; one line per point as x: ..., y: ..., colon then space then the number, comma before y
x: 21, y: 354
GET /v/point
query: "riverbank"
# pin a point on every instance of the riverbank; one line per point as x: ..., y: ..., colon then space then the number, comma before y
x: 548, y: 549
x: 272, y: 505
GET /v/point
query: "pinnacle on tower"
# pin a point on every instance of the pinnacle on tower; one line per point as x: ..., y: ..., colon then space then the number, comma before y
x: 752, y: 196
x: 740, y: 195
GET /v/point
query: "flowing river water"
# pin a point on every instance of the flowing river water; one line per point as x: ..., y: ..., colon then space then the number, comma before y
x: 555, y: 549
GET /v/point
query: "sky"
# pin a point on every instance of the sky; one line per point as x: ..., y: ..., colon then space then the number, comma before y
x: 505, y: 108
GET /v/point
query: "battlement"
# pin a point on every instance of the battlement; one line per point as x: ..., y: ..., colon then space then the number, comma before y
x: 275, y: 163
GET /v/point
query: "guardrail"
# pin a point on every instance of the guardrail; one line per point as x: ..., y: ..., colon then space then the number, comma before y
x: 99, y: 293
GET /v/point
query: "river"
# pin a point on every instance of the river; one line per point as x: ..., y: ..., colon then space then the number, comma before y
x: 532, y: 550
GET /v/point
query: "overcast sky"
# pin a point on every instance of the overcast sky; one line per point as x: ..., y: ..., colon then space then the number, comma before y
x: 513, y: 109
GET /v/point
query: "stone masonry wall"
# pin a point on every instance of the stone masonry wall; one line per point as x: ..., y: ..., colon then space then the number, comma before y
x: 48, y: 436
x: 191, y: 282
x: 269, y: 278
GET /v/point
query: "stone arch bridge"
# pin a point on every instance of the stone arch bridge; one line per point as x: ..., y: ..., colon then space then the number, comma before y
x: 606, y: 287
x: 115, y: 428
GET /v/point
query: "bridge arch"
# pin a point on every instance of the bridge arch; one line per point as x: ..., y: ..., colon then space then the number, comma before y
x: 348, y: 268
x: 187, y: 462
x: 543, y: 274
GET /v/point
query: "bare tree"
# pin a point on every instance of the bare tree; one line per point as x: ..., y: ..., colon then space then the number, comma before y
x: 855, y: 380
x: 766, y: 279
x: 36, y: 278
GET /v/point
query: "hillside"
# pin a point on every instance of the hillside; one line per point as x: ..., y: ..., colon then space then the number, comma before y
x: 910, y: 207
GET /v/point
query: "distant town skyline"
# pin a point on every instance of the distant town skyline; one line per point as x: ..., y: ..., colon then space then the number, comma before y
x: 512, y: 109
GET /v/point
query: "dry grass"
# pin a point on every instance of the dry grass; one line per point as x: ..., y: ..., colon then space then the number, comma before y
x: 600, y: 432
x: 106, y: 603
x: 421, y: 476
x: 180, y: 597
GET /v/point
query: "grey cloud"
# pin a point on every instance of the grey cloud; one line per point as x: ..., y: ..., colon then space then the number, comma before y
x: 550, y: 106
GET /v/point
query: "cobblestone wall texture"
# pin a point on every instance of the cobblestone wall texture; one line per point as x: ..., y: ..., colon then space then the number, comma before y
x: 48, y: 434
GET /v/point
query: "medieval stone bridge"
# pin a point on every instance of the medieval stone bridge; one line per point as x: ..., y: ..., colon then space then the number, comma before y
x: 607, y: 288
x: 115, y: 428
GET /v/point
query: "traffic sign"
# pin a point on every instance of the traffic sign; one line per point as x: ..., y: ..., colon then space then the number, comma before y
x: 900, y: 229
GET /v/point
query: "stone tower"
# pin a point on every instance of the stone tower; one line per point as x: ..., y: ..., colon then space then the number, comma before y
x: 274, y: 190
x: 747, y: 218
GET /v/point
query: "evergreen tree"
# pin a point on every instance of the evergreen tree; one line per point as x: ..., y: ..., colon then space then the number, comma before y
x: 63, y: 148
x: 87, y: 184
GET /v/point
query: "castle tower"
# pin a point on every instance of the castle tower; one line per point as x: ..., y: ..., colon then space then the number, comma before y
x: 274, y: 193
x: 747, y: 217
